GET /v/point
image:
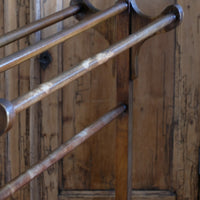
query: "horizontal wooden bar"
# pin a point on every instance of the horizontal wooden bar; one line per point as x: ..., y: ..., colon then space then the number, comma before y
x: 8, y: 110
x: 110, y: 195
x: 45, y: 89
x: 38, y: 25
x: 59, y: 153
x: 31, y: 51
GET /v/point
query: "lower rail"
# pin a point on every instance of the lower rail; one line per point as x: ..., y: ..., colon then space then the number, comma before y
x: 59, y: 153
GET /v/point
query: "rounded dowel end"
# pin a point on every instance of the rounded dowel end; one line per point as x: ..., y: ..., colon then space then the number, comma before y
x: 177, y: 10
x: 7, y: 116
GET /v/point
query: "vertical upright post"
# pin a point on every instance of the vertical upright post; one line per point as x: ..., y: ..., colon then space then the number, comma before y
x: 123, y: 74
x: 35, y: 14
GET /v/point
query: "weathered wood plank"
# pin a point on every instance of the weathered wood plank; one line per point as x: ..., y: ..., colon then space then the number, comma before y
x: 153, y: 109
x: 35, y: 117
x: 50, y: 126
x: 110, y: 195
x: 187, y: 107
x: 122, y: 65
x: 24, y: 86
x: 2, y: 95
x: 91, y: 166
x: 17, y: 82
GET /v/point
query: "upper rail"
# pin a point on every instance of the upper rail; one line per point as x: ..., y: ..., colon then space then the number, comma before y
x: 85, y: 24
x: 8, y: 110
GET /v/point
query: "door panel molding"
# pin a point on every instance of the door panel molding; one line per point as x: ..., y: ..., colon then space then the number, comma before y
x: 110, y: 195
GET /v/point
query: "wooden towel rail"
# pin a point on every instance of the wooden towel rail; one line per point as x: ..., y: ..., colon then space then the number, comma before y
x: 38, y: 25
x: 59, y: 153
x: 8, y: 110
x: 168, y: 20
x: 31, y: 51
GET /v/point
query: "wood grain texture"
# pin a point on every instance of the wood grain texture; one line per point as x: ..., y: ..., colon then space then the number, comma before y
x: 2, y: 95
x: 123, y: 75
x: 49, y: 134
x: 152, y: 109
x: 165, y: 106
x: 187, y: 107
x: 110, y: 195
x: 16, y: 83
x: 91, y: 166
x: 153, y: 114
x: 24, y: 86
x: 35, y: 110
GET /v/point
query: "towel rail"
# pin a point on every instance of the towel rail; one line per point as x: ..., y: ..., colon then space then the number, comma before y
x: 38, y: 25
x: 8, y: 110
x: 169, y: 19
x: 59, y: 153
x: 31, y: 51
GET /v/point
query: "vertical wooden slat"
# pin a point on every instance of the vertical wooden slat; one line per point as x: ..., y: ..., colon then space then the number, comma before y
x: 17, y: 82
x: 91, y: 166
x: 35, y: 117
x: 130, y: 138
x: 153, y: 110
x: 60, y: 27
x: 24, y: 86
x: 10, y: 23
x: 49, y: 107
x: 187, y: 107
x: 2, y: 95
x: 123, y: 76
x: 11, y: 89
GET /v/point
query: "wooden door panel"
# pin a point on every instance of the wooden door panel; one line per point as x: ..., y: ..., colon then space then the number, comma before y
x: 153, y: 114
x: 91, y: 166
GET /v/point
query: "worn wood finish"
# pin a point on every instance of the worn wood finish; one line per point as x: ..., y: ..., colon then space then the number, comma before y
x: 166, y: 110
x: 187, y: 108
x: 110, y: 195
x: 49, y: 133
x: 123, y: 74
x: 24, y: 86
x: 2, y: 95
x: 11, y: 88
x: 98, y: 172
x: 87, y: 167
x: 153, y: 114
x: 60, y: 152
x: 17, y: 82
x: 35, y: 110
x: 152, y: 109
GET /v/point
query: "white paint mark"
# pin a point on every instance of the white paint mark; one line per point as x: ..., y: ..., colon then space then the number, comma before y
x: 46, y: 87
x: 103, y: 57
x: 100, y: 59
x: 83, y: 133
x: 86, y: 64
